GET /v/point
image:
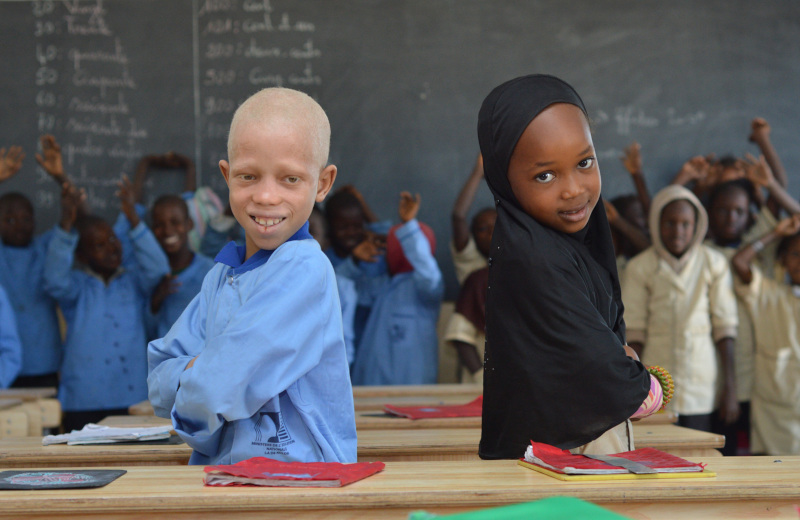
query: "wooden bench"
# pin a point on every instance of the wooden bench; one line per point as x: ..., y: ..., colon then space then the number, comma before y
x: 745, y: 487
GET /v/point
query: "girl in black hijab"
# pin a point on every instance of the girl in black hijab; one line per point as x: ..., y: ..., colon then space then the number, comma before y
x: 557, y: 368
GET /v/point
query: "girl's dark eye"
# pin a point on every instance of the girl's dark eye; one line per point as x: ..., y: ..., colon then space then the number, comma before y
x: 545, y: 177
x: 586, y: 163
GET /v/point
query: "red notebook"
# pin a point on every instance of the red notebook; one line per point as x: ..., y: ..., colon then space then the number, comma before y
x: 471, y: 409
x: 261, y: 471
x: 642, y: 463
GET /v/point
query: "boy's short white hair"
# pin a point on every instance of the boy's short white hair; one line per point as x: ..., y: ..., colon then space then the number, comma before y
x: 286, y: 106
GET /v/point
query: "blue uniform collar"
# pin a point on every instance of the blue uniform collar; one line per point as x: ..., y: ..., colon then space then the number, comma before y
x: 233, y: 255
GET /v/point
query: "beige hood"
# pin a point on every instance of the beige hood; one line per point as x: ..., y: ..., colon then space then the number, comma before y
x: 669, y: 194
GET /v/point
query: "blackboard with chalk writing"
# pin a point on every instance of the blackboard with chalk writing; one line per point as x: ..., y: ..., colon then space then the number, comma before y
x: 401, y: 80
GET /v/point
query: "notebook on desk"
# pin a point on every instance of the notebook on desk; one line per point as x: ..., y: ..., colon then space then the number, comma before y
x: 645, y: 463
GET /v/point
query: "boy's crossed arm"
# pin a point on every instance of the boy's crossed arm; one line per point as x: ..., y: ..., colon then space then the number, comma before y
x: 276, y: 337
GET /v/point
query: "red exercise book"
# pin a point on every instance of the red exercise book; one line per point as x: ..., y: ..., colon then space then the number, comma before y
x: 261, y: 471
x: 642, y: 463
x: 471, y: 409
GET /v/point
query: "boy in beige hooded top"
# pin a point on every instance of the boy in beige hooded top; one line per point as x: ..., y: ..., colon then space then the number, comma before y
x: 680, y: 308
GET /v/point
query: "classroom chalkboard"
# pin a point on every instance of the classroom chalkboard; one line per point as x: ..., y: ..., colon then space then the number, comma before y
x: 401, y: 80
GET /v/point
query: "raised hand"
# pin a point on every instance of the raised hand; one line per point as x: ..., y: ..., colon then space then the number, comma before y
x: 127, y: 199
x: 757, y: 171
x: 10, y: 162
x: 51, y: 159
x: 409, y: 206
x: 759, y: 130
x: 371, y: 248
x: 788, y: 226
x: 632, y: 158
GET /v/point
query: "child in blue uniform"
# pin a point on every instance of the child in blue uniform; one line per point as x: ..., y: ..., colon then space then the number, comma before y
x: 399, y: 346
x: 105, y: 365
x: 256, y: 365
x: 10, y: 351
x: 22, y: 258
x: 171, y: 226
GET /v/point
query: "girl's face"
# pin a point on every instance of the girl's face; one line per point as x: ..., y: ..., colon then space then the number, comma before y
x: 553, y: 171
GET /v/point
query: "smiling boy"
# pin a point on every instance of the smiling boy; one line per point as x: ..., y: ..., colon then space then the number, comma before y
x: 256, y: 364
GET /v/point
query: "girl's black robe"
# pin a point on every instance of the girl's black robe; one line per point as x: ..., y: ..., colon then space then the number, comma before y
x: 555, y: 368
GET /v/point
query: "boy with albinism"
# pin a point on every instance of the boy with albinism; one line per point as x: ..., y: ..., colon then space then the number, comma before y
x: 256, y: 364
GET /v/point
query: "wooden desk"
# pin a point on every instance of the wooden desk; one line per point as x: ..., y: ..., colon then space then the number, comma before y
x: 28, y: 394
x: 28, y: 452
x: 141, y: 408
x: 462, y: 443
x: 381, y: 445
x: 746, y: 487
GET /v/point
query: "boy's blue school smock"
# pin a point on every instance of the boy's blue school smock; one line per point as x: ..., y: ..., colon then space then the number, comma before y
x: 271, y: 375
x: 105, y: 361
x: 22, y: 276
x: 191, y: 281
x: 10, y: 349
x: 399, y: 345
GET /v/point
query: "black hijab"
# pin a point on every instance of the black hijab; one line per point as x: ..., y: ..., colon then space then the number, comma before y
x: 555, y: 368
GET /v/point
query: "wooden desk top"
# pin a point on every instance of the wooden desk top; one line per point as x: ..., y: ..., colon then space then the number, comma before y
x: 8, y: 402
x: 28, y: 394
x: 745, y: 487
x: 373, y: 445
x: 462, y: 443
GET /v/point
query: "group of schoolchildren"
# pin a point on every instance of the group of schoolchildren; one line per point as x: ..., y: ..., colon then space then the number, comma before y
x: 247, y: 351
x: 713, y: 298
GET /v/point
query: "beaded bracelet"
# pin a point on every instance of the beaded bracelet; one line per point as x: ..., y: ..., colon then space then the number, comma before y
x: 667, y: 384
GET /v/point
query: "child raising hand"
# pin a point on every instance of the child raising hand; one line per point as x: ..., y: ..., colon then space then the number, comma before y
x: 399, y: 344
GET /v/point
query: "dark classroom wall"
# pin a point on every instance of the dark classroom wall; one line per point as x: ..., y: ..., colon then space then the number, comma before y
x: 401, y: 80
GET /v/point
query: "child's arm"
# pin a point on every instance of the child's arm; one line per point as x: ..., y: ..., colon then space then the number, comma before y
x: 279, y: 334
x: 635, y: 288
x: 10, y: 348
x: 149, y: 261
x: 632, y: 160
x: 724, y: 326
x: 58, y: 281
x: 760, y: 174
x: 169, y: 356
x: 760, y: 135
x: 427, y: 276
x: 621, y: 224
x: 729, y: 404
x: 10, y: 162
x: 743, y: 259
x: 458, y: 218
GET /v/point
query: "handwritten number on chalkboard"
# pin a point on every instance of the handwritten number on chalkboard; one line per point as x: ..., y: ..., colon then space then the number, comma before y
x: 43, y: 8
